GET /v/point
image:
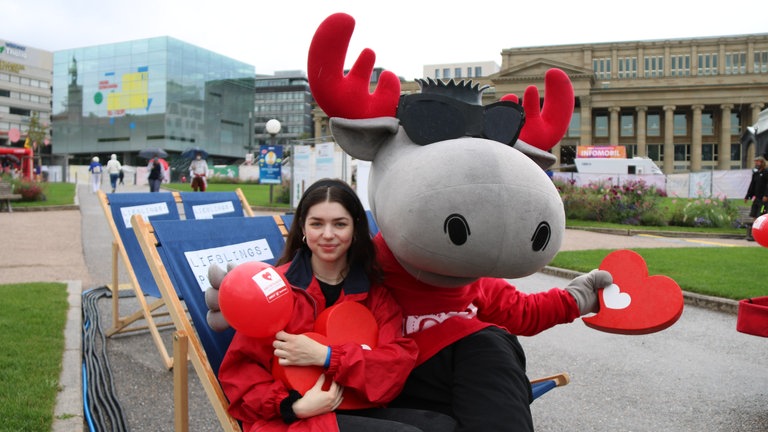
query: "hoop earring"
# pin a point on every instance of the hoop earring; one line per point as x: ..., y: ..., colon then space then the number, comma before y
x: 304, y: 239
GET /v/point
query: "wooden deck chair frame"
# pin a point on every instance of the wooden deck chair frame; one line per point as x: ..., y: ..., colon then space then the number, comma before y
x: 147, y: 311
x: 186, y: 344
x: 247, y: 210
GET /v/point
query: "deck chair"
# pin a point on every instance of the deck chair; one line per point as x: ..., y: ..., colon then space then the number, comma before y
x: 208, y: 205
x: 118, y: 209
x: 178, y: 254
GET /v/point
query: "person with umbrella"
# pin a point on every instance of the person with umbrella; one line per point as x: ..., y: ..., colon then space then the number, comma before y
x: 155, y: 175
x: 198, y: 172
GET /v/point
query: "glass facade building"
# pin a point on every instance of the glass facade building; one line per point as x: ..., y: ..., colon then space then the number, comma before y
x: 287, y: 98
x: 159, y: 92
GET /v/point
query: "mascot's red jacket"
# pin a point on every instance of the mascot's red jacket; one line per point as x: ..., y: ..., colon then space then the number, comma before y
x: 436, y: 317
x: 379, y: 375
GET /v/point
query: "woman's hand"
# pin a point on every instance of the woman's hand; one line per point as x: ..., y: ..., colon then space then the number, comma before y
x: 298, y: 350
x: 317, y: 401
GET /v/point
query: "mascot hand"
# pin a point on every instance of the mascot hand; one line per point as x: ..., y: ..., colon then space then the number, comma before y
x: 584, y: 289
x: 215, y: 318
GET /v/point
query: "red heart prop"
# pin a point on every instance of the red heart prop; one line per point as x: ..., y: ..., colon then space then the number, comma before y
x: 345, y: 322
x: 636, y: 303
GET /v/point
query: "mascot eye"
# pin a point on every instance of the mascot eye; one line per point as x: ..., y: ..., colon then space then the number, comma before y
x: 540, y: 237
x: 457, y: 228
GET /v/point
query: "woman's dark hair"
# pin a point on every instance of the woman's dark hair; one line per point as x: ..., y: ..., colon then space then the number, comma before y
x: 362, y: 250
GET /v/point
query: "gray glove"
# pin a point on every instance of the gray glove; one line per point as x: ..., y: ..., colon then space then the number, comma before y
x: 215, y: 318
x: 584, y: 290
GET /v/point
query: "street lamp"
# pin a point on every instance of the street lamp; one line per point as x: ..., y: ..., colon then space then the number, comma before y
x: 273, y: 128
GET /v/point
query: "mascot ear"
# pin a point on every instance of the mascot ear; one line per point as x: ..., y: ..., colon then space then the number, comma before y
x: 540, y: 157
x: 363, y: 138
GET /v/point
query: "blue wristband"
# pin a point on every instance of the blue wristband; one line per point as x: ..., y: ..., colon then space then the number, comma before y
x: 328, y: 359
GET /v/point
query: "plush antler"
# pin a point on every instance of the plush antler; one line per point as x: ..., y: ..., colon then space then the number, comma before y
x: 347, y: 96
x: 545, y: 127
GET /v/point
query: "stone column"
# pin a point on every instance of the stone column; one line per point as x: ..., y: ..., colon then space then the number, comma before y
x: 642, y: 147
x: 669, y: 139
x: 585, y: 138
x: 613, y: 128
x: 695, y: 155
x: 724, y: 146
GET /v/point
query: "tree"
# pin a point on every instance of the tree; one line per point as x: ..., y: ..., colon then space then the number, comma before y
x: 36, y: 133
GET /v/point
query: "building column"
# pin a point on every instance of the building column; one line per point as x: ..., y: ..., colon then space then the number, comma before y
x: 695, y: 155
x: 585, y: 137
x: 756, y: 108
x: 669, y: 139
x: 642, y: 146
x: 724, y: 146
x: 613, y: 129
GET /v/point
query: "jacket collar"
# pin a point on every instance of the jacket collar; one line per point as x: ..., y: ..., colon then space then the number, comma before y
x: 300, y: 274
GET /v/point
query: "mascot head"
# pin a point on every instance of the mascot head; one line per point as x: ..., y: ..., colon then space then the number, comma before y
x: 456, y: 188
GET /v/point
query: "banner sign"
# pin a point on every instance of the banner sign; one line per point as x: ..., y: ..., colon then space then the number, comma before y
x: 270, y: 163
x: 618, y: 152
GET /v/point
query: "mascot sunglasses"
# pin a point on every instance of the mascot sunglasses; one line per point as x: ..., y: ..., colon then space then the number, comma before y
x: 429, y: 118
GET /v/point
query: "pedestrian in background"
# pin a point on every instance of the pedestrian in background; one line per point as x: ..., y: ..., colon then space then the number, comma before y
x: 198, y: 172
x: 95, y: 169
x: 114, y: 168
x: 155, y: 175
x: 757, y: 192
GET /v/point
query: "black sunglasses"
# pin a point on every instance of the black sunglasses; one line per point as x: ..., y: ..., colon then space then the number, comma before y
x: 430, y: 118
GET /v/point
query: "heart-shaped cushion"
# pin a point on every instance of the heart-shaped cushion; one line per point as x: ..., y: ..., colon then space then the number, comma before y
x: 342, y: 323
x: 636, y: 303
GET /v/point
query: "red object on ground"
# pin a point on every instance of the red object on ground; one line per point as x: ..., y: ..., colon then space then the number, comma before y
x: 760, y: 230
x: 752, y: 317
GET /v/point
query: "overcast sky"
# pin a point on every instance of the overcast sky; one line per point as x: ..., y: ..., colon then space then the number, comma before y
x: 275, y: 34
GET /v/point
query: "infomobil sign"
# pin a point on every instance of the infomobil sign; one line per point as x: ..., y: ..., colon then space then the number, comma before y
x: 618, y: 152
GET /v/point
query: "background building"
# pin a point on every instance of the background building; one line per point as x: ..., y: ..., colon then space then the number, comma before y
x: 284, y: 96
x: 684, y: 103
x: 460, y: 70
x: 25, y: 88
x: 150, y: 93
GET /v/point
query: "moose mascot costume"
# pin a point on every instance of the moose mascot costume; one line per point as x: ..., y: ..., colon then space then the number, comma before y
x: 462, y: 201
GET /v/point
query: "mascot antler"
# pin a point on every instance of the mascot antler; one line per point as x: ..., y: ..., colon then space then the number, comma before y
x: 545, y: 127
x: 347, y: 96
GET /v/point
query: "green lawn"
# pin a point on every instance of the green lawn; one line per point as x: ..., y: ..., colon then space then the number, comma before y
x: 727, y: 272
x: 32, y: 334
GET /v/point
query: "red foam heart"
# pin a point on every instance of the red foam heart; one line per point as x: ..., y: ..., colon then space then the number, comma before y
x: 342, y: 323
x: 642, y: 304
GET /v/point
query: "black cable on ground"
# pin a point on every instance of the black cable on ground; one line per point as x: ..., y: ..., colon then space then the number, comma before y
x: 100, y: 403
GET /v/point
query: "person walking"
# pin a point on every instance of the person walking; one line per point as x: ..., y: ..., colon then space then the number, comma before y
x: 155, y: 175
x: 95, y: 169
x: 198, y: 172
x: 113, y: 169
x: 757, y: 192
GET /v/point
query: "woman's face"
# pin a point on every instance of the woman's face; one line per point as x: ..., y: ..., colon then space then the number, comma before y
x: 329, y: 230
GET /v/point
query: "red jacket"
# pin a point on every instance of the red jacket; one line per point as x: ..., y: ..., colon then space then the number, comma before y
x: 436, y: 317
x: 378, y: 374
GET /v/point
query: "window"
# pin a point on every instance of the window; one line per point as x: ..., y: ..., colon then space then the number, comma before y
x: 601, y: 125
x: 653, y: 125
x: 735, y: 63
x: 628, y: 67
x: 627, y: 125
x: 761, y: 61
x: 602, y: 68
x: 681, y: 152
x: 574, y: 128
x: 707, y: 152
x: 469, y: 71
x: 457, y: 72
x: 654, y: 152
x: 681, y: 125
x: 437, y: 73
x: 680, y: 65
x: 654, y: 66
x: 735, y: 124
x: 736, y: 152
x: 446, y: 73
x: 478, y: 71
x: 707, y: 124
x: 707, y: 64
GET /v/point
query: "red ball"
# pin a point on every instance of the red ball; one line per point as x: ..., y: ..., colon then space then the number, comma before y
x: 760, y: 230
x: 255, y: 299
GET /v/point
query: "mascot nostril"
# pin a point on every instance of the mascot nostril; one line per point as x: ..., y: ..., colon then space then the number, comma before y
x: 457, y: 228
x: 541, y: 236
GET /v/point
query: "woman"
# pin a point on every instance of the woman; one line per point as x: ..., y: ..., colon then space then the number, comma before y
x: 95, y: 169
x: 329, y: 258
x: 155, y: 175
x: 113, y: 168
